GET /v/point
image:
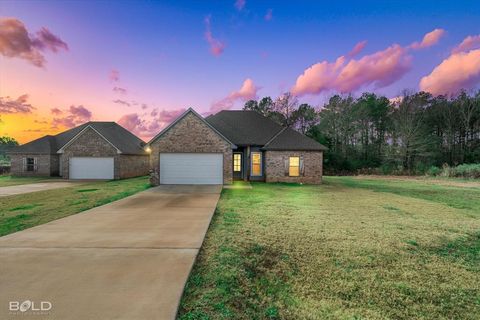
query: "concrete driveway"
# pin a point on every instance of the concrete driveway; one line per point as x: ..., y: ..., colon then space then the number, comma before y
x: 33, y: 187
x: 129, y: 259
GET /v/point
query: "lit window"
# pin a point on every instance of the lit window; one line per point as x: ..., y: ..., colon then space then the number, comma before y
x: 30, y: 164
x: 237, y: 162
x: 294, y: 166
x: 256, y: 164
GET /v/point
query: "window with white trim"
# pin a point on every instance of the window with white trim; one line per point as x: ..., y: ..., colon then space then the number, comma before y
x: 256, y: 164
x: 237, y: 162
x: 30, y: 164
x: 294, y: 166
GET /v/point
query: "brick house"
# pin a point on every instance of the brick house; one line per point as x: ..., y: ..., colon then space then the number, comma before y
x: 233, y: 145
x: 227, y: 146
x: 94, y: 150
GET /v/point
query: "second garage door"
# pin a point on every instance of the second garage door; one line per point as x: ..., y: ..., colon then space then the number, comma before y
x: 191, y: 168
x: 91, y: 168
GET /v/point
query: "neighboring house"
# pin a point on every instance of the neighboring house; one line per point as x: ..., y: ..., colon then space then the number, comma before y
x: 94, y: 150
x: 233, y: 145
x: 227, y: 146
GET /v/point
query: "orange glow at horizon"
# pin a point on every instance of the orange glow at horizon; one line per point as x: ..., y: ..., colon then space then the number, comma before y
x: 25, y: 128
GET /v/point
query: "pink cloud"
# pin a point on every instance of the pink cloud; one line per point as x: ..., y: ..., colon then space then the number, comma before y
x: 122, y: 102
x: 46, y: 39
x: 114, y: 75
x: 130, y: 122
x: 16, y: 42
x: 148, y: 125
x: 74, y: 116
x: 357, y: 49
x: 19, y: 105
x: 269, y: 15
x: 429, y: 39
x: 319, y: 77
x: 469, y: 43
x: 380, y: 69
x: 56, y: 111
x: 459, y: 71
x: 120, y: 90
x: 239, y: 4
x: 216, y: 46
x: 247, y: 92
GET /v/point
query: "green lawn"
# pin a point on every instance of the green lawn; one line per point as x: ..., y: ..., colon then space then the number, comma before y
x: 27, y: 210
x: 8, y: 180
x: 353, y: 248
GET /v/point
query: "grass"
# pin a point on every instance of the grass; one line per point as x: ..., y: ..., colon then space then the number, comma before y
x: 349, y: 249
x: 7, y: 180
x: 23, y: 211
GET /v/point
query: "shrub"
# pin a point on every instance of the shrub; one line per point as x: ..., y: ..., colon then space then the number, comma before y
x: 467, y: 170
x: 447, y: 171
x: 433, y: 171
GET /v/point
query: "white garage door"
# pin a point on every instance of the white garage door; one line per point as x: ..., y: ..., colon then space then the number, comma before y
x: 191, y: 168
x: 91, y: 168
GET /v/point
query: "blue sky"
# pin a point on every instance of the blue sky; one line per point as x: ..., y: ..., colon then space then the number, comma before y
x: 163, y: 59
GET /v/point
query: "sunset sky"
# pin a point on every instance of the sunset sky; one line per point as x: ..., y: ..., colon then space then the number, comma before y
x: 142, y: 63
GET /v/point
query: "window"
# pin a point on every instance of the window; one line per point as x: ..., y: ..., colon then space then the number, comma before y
x: 30, y: 164
x: 256, y: 164
x: 294, y: 166
x: 237, y: 162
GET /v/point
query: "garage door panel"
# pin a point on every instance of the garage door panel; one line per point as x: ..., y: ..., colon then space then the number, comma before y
x: 91, y: 168
x: 191, y: 168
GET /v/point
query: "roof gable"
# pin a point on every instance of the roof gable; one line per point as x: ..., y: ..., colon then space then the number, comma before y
x: 190, y: 111
x: 85, y: 129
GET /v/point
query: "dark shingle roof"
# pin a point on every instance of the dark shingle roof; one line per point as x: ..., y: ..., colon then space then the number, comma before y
x: 251, y: 128
x: 244, y: 127
x: 289, y: 139
x: 121, y: 138
x: 43, y: 145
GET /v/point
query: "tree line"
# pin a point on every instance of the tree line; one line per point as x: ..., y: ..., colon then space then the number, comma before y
x: 405, y: 135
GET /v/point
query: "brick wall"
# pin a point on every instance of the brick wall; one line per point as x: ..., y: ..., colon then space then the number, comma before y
x: 275, y: 170
x: 133, y: 165
x: 90, y: 144
x: 191, y: 134
x: 45, y: 165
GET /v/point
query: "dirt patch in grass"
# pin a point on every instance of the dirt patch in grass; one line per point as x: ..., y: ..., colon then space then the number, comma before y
x: 337, y: 251
x: 23, y: 211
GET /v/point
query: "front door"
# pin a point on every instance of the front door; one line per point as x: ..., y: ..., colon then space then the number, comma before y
x: 237, y: 165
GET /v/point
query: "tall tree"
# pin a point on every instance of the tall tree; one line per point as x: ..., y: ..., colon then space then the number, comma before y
x: 285, y: 107
x: 410, y: 132
x: 306, y: 117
